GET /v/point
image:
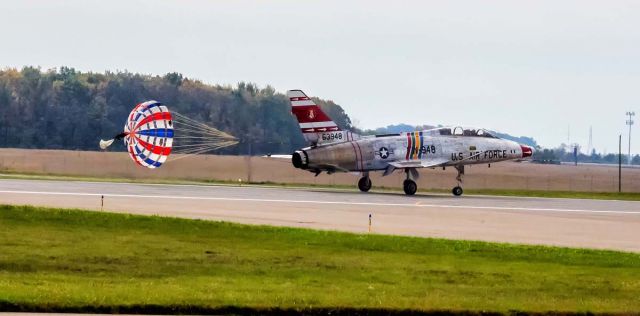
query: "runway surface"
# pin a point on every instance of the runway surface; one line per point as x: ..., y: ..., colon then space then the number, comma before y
x: 563, y: 222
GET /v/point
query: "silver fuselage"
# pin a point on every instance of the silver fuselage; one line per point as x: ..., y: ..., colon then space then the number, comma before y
x: 377, y: 152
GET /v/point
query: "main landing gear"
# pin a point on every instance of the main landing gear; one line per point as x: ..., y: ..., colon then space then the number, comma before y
x: 364, y: 184
x: 409, y: 186
x: 457, y: 191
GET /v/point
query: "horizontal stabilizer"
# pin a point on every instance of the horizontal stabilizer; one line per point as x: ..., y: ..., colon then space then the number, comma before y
x: 277, y: 156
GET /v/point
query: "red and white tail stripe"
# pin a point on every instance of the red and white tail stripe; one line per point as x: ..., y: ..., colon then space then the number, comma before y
x: 310, y: 117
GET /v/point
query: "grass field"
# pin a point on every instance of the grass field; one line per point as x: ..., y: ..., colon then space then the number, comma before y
x: 627, y: 196
x: 71, y: 260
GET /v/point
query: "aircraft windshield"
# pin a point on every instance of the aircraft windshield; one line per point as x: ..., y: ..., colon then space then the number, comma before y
x: 467, y: 132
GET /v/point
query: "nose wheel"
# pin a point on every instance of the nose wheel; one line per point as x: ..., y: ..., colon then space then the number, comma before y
x: 457, y: 191
x: 364, y: 184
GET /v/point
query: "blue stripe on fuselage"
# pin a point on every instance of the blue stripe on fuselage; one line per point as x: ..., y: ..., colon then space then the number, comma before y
x: 420, y: 153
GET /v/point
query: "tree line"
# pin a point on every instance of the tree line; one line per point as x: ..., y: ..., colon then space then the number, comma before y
x: 68, y: 109
x: 565, y: 153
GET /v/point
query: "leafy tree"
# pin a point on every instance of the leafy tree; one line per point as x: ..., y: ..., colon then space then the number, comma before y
x: 68, y: 109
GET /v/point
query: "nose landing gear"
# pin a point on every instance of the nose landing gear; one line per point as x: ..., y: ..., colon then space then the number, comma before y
x: 457, y: 191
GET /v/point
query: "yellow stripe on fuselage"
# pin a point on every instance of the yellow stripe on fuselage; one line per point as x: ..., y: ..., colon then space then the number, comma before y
x: 416, y: 136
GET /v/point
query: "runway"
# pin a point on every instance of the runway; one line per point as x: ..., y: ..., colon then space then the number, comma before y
x: 563, y: 222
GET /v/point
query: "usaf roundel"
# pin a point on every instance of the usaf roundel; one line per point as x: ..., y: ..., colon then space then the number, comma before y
x: 384, y: 152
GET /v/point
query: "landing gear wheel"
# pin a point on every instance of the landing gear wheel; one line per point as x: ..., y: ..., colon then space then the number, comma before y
x: 364, y: 184
x: 457, y: 191
x: 410, y: 187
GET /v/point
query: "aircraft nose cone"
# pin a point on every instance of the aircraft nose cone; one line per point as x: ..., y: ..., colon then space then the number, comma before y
x: 526, y: 151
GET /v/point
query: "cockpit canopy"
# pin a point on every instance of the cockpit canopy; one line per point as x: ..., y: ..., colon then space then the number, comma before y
x: 461, y: 131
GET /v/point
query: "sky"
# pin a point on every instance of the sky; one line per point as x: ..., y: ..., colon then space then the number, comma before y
x: 545, y: 69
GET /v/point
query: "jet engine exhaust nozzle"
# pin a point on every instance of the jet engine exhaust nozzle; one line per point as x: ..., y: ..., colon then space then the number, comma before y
x: 300, y: 160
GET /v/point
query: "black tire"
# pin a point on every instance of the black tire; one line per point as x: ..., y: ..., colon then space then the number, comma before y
x: 457, y: 191
x: 409, y: 187
x: 364, y: 184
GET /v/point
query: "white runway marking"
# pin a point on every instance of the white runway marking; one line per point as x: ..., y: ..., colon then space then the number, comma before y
x: 500, y: 208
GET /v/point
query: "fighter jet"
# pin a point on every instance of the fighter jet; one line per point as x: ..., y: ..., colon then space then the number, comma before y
x: 334, y: 150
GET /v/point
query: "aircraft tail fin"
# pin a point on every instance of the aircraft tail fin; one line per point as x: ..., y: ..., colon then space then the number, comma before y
x: 316, y: 126
x: 310, y: 116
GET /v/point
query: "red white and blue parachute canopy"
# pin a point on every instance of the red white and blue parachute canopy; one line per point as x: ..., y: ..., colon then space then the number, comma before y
x: 149, y: 134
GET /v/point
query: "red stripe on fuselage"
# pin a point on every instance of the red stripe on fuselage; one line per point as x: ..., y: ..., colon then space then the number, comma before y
x: 355, y: 151
x: 408, y: 146
x: 360, y: 151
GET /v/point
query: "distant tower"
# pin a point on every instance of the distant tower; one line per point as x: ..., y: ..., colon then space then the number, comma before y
x: 630, y: 122
x: 590, y: 147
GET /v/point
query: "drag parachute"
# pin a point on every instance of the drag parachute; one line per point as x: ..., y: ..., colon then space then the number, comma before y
x: 151, y: 133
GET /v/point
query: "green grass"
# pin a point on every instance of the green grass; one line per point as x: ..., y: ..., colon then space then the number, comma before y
x: 627, y: 196
x: 72, y: 260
